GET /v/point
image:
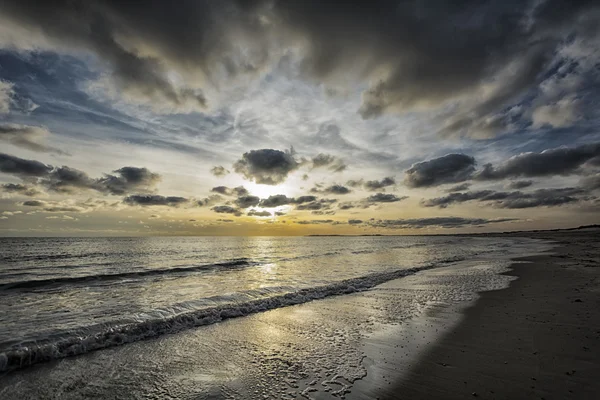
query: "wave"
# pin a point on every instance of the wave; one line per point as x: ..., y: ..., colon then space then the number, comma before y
x: 88, y: 339
x: 38, y: 283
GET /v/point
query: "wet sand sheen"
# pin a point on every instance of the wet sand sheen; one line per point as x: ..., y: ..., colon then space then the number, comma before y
x: 538, y: 339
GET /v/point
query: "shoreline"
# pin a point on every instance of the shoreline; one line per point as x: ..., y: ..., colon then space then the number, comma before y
x: 537, y: 339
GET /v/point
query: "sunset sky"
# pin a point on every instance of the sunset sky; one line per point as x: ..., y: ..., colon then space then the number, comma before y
x: 298, y: 117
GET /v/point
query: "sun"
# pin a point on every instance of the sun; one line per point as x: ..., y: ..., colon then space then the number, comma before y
x: 264, y: 191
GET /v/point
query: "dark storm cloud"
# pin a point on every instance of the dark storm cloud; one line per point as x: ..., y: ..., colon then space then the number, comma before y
x: 378, y: 185
x: 18, y: 188
x: 236, y: 191
x: 247, y: 201
x: 128, y: 179
x: 22, y: 167
x: 333, y: 189
x: 435, y: 222
x: 447, y: 169
x: 154, y: 200
x: 327, y: 160
x: 27, y: 137
x: 219, y: 171
x: 385, y: 198
x: 558, y: 161
x: 255, y: 213
x: 518, y: 184
x: 512, y: 200
x: 227, y: 210
x: 458, y: 188
x: 415, y: 55
x: 266, y: 166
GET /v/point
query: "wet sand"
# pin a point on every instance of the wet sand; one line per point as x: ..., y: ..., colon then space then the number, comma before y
x: 538, y: 339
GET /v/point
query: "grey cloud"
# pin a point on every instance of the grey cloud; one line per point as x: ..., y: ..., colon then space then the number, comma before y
x: 459, y: 188
x: 333, y: 189
x: 22, y: 167
x: 355, y: 183
x: 377, y: 185
x: 416, y: 56
x: 591, y: 182
x: 512, y: 200
x: 236, y: 191
x: 154, y: 200
x: 6, y: 93
x: 128, y: 179
x: 254, y: 213
x: 266, y: 166
x: 321, y: 204
x: 27, y: 137
x: 219, y: 171
x: 450, y: 168
x: 281, y: 200
x: 247, y: 201
x: 20, y: 189
x: 355, y: 221
x: 34, y: 203
x: 438, y: 222
x: 327, y: 160
x: 315, y: 221
x: 227, y: 210
x: 275, y: 201
x: 519, y: 184
x: 385, y: 198
x: 66, y: 180
x: 209, y: 201
x: 557, y: 161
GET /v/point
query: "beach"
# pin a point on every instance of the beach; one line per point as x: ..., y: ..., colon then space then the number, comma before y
x: 493, y: 325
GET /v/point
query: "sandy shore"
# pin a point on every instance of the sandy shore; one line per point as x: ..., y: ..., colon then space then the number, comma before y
x: 538, y: 339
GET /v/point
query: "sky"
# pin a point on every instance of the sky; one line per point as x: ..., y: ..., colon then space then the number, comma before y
x: 304, y: 117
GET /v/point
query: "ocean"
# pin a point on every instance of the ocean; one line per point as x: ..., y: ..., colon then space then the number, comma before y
x: 66, y: 297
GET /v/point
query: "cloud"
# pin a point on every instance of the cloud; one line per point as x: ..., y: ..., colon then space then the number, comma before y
x: 412, y: 57
x: 518, y: 184
x: 227, y: 210
x: 282, y: 200
x: 327, y: 160
x: 437, y: 222
x: 254, y: 213
x: 266, y: 166
x: 512, y: 200
x: 450, y: 168
x: 591, y: 182
x: 27, y: 137
x: 67, y: 180
x: 355, y: 221
x: 236, y: 191
x: 458, y: 188
x: 333, y: 189
x: 6, y: 93
x: 557, y: 161
x: 247, y: 201
x: 560, y: 114
x: 22, y: 167
x: 18, y: 188
x: 219, y: 171
x: 315, y: 221
x: 321, y: 204
x: 209, y: 201
x: 129, y: 179
x: 34, y: 203
x: 154, y: 200
x: 384, y: 198
x: 378, y: 185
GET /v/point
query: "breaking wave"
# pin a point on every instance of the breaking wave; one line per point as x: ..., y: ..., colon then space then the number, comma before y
x: 181, y: 317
